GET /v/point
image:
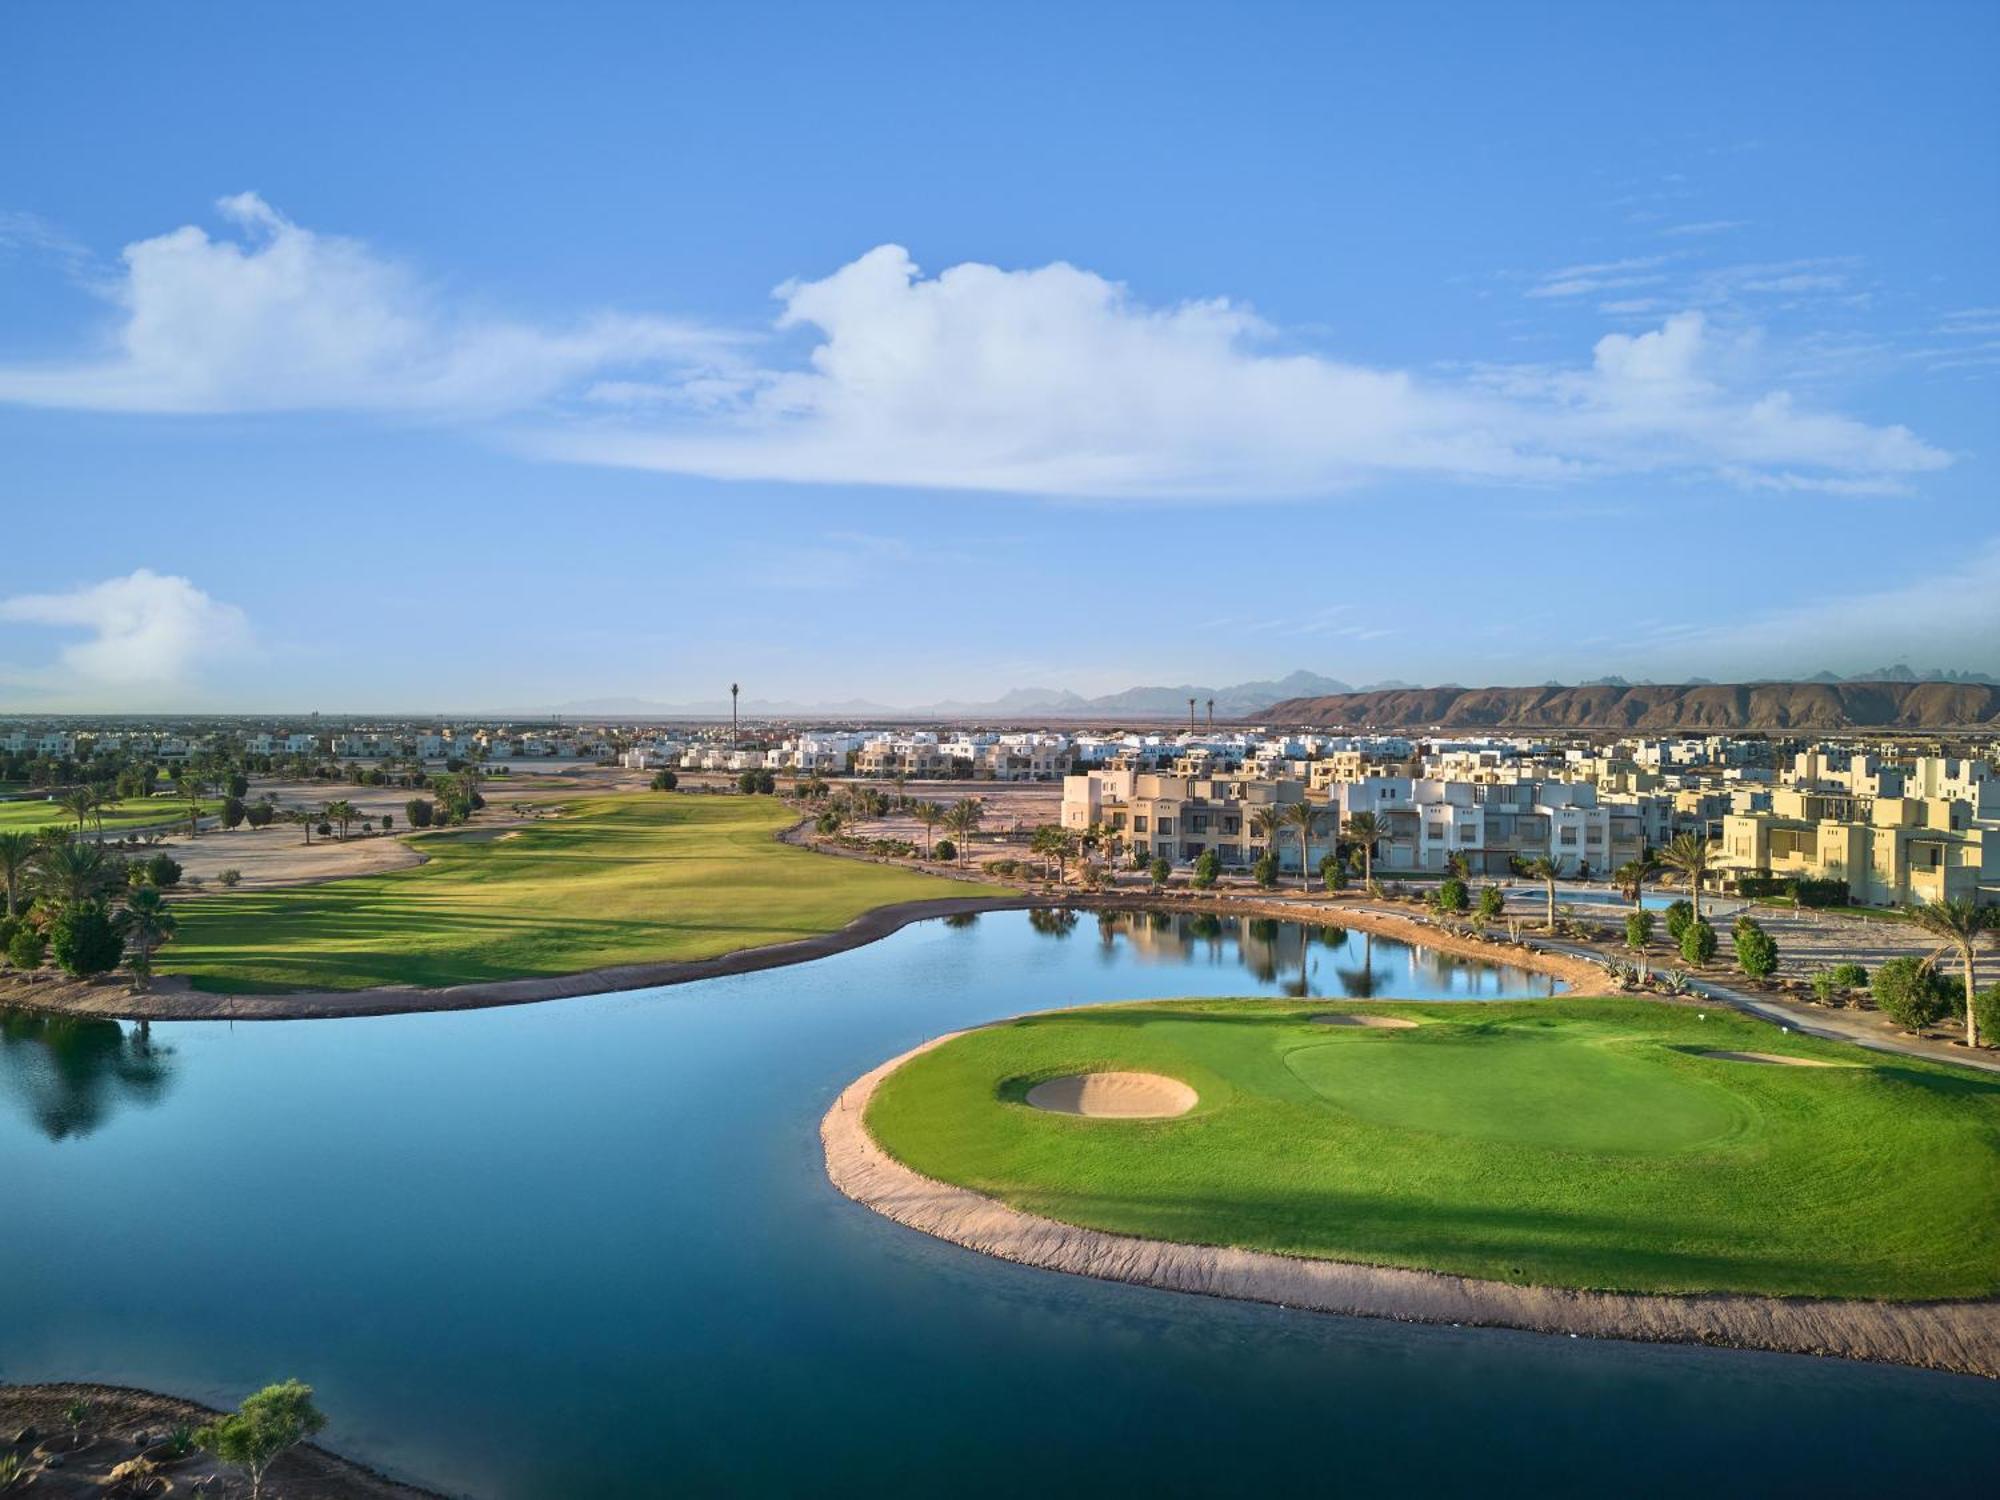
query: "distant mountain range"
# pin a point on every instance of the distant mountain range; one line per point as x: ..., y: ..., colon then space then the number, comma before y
x: 1812, y: 706
x: 1277, y: 699
x: 1236, y: 701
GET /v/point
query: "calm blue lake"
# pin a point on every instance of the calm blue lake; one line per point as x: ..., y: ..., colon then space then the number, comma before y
x: 586, y: 1248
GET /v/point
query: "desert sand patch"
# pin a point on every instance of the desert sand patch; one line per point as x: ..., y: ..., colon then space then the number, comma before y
x: 1115, y: 1096
x: 1378, y: 1023
x: 1777, y: 1059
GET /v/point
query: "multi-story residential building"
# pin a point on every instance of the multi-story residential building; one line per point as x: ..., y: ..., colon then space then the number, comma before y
x: 1179, y: 818
x: 1888, y: 850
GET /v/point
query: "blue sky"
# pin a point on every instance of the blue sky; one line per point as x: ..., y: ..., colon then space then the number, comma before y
x: 490, y: 356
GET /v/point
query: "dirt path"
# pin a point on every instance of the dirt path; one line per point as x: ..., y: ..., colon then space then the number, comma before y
x: 1958, y: 1336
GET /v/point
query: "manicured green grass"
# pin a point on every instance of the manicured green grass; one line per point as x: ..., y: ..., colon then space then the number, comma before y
x: 135, y: 812
x: 1559, y: 1142
x: 614, y: 880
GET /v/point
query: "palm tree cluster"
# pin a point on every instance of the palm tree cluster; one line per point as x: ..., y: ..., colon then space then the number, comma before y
x: 56, y: 879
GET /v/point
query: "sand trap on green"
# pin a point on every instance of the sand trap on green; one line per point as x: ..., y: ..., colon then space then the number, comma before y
x: 1114, y: 1096
x: 1567, y: 1142
x: 1379, y: 1023
x: 615, y: 880
x: 1774, y: 1059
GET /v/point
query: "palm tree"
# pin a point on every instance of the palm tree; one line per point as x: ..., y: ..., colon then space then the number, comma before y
x: 1689, y: 856
x: 71, y: 873
x: 930, y: 814
x: 1367, y: 830
x: 1546, y: 868
x: 1959, y: 926
x: 189, y: 789
x: 78, y: 802
x: 17, y: 851
x: 963, y: 818
x: 1303, y: 816
x: 342, y: 812
x: 1267, y: 823
x: 1631, y: 877
x: 147, y: 924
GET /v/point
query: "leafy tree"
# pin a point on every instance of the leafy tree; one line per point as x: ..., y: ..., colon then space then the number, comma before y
x: 1492, y: 903
x: 260, y: 814
x: 1638, y: 929
x: 1698, y: 944
x: 1365, y: 831
x: 148, y: 923
x: 1332, y: 874
x: 664, y: 781
x: 17, y: 853
x: 27, y: 948
x: 1264, y: 871
x: 1451, y: 897
x: 1689, y: 857
x: 1680, y: 917
x: 1756, y: 949
x: 233, y: 812
x: 1207, y: 867
x: 236, y: 786
x: 163, y: 871
x: 418, y: 810
x: 946, y: 850
x: 747, y: 783
x: 264, y: 1426
x: 1910, y: 992
x: 1960, y: 927
x: 1159, y: 871
x: 388, y: 821
x: 85, y: 941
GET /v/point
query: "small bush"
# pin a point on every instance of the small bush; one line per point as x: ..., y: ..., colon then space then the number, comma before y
x: 945, y: 849
x: 664, y: 781
x: 1679, y: 917
x: 27, y: 948
x: 1264, y: 872
x: 1638, y: 929
x: 1332, y: 874
x: 231, y: 878
x: 1756, y: 949
x: 1206, y: 869
x: 1159, y: 871
x: 1698, y: 944
x: 84, y: 942
x: 420, y: 811
x: 164, y: 871
x: 1492, y: 903
x: 1911, y: 993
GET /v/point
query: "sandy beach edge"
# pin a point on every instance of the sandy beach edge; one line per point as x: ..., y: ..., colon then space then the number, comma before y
x: 1962, y: 1337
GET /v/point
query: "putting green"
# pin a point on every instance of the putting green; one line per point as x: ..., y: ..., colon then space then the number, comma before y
x: 1566, y: 1142
x: 1544, y: 1088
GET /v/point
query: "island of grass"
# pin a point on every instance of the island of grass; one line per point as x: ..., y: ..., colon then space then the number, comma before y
x: 613, y: 880
x: 1579, y: 1143
x: 33, y: 815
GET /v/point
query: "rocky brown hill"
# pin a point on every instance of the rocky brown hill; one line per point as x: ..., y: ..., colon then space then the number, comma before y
x: 1811, y: 706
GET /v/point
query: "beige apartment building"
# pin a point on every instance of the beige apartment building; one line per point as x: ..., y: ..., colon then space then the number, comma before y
x: 1180, y: 818
x: 1889, y: 850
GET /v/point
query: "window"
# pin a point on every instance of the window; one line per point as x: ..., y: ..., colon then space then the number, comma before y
x: 1166, y: 825
x: 1138, y: 822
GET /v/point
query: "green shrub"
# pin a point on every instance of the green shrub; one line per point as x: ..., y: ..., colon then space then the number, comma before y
x: 1756, y: 949
x: 163, y: 870
x: 27, y: 948
x: 231, y: 878
x: 1451, y: 896
x: 1492, y: 903
x: 1264, y: 872
x: 1638, y: 928
x: 85, y: 942
x: 664, y: 781
x: 1698, y: 944
x: 1206, y: 869
x: 1911, y: 993
x: 1332, y: 874
x: 1850, y: 976
x: 946, y: 849
x: 1159, y: 871
x: 1679, y: 917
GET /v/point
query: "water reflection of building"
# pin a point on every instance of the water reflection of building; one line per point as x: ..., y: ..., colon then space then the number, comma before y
x: 70, y: 1074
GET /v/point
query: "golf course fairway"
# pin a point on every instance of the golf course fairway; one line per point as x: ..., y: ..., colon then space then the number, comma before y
x: 619, y: 879
x: 1584, y: 1143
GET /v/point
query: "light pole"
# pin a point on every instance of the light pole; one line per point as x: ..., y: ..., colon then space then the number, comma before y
x: 734, y: 741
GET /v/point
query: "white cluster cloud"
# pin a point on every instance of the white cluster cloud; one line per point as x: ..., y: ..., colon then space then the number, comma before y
x: 1054, y: 381
x: 148, y: 632
x: 1047, y: 381
x: 283, y: 318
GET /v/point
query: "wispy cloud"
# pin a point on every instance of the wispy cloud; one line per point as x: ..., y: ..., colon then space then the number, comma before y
x: 1702, y: 229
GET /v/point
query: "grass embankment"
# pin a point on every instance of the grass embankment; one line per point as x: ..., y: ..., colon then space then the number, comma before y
x: 614, y: 880
x: 1582, y: 1143
x: 115, y: 817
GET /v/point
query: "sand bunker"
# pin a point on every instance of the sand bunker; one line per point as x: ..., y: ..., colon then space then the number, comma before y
x: 1777, y: 1058
x: 1380, y: 1023
x: 1114, y: 1096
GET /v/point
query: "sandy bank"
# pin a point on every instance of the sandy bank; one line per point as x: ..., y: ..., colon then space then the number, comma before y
x: 120, y: 1414
x: 1956, y: 1336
